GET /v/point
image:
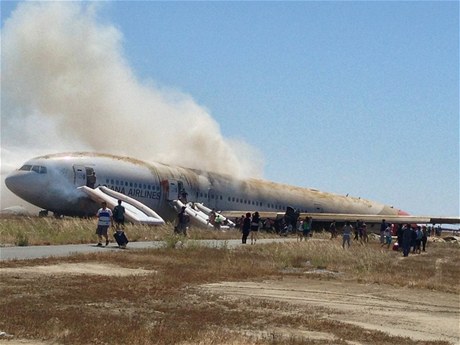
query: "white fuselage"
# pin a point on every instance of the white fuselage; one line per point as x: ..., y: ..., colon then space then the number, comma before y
x: 51, y: 182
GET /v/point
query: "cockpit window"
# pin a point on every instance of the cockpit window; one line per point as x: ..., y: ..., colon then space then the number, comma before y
x: 26, y: 167
x: 39, y: 169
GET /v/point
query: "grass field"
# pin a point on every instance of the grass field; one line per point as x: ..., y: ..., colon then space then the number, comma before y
x: 159, y: 298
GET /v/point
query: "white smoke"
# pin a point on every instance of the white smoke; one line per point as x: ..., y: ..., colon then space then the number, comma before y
x: 66, y: 86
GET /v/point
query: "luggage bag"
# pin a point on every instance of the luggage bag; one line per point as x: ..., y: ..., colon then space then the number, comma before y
x: 121, y: 238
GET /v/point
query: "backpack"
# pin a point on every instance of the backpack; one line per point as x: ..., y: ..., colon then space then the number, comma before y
x: 118, y: 212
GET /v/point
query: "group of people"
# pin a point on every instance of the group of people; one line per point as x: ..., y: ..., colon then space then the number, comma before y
x: 116, y: 218
x: 409, y: 238
x: 414, y: 238
x: 250, y: 224
x: 359, y: 231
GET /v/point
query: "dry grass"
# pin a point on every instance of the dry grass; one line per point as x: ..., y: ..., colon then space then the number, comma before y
x: 25, y: 231
x: 168, y: 307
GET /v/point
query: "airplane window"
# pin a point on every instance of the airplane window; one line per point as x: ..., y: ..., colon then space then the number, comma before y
x: 36, y: 168
x: 135, y: 185
x: 126, y: 184
x: 111, y: 182
x: 145, y: 187
x: 229, y: 199
x: 233, y: 199
x: 130, y: 184
x: 26, y: 167
x: 107, y: 181
x: 221, y: 197
x: 43, y: 170
x: 148, y: 187
x: 117, y: 182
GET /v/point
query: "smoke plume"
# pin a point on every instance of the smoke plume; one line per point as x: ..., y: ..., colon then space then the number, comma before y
x: 66, y: 86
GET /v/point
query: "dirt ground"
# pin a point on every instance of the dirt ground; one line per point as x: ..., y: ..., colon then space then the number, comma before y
x: 418, y: 314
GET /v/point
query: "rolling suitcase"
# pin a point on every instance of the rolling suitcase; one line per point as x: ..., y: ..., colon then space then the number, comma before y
x: 121, y: 238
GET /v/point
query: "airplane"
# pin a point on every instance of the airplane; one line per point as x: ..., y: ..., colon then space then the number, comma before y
x: 74, y: 184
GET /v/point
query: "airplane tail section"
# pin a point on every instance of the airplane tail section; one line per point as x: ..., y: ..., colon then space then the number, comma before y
x: 201, y: 214
x: 135, y: 211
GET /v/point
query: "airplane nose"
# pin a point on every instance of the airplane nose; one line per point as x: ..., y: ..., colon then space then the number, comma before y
x: 25, y: 185
x: 17, y: 183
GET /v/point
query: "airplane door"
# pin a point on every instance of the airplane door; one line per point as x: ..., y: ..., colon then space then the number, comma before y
x: 79, y: 175
x: 173, y: 191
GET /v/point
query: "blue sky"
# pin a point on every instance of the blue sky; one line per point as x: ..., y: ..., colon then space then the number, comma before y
x: 347, y: 97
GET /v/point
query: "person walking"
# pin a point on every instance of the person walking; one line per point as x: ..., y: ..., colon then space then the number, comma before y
x: 406, y: 239
x: 365, y: 237
x: 119, y: 215
x: 333, y: 230
x: 383, y: 227
x: 424, y: 237
x: 346, y: 234
x: 306, y: 227
x: 246, y: 227
x: 418, y: 240
x: 182, y: 221
x: 105, y: 219
x: 387, y: 235
x: 254, y: 227
x: 356, y: 230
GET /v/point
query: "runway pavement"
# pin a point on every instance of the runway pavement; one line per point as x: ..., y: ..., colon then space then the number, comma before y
x: 35, y: 252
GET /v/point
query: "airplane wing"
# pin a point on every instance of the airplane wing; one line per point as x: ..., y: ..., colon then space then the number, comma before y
x: 367, y: 218
x: 395, y: 219
x: 135, y: 211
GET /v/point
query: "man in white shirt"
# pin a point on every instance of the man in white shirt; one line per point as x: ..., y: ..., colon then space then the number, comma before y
x: 105, y: 219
